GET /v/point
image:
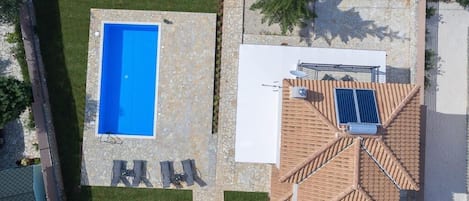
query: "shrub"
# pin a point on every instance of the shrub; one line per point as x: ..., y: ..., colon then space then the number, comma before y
x: 15, y: 97
x: 9, y: 10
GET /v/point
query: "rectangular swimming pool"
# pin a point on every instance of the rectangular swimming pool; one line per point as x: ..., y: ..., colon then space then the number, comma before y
x: 129, y: 77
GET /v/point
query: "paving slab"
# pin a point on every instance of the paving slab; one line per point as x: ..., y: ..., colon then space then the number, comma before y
x: 231, y: 175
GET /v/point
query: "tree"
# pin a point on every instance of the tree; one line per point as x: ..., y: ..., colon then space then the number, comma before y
x: 9, y: 10
x: 15, y: 96
x: 287, y: 13
x: 463, y: 3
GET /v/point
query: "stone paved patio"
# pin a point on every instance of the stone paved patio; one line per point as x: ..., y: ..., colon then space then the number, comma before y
x: 390, y: 26
x: 184, y: 110
x: 231, y: 175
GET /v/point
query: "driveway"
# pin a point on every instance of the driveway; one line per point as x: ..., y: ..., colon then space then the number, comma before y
x: 446, y: 142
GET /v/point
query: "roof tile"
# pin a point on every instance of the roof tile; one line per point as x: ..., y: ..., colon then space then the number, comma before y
x: 356, y: 195
x: 334, y: 178
x: 403, y: 137
x: 279, y: 191
x: 372, y: 180
x: 321, y: 158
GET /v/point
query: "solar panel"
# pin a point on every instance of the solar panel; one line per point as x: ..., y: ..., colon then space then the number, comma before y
x: 367, y: 106
x: 356, y: 105
x: 346, y: 108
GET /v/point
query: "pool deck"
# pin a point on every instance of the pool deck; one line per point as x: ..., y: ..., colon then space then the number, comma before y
x: 184, y: 107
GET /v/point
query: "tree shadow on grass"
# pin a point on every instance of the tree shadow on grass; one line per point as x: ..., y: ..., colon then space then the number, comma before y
x: 331, y: 22
x: 61, y: 95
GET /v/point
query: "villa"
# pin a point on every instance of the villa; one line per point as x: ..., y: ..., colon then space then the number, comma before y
x: 326, y: 138
x: 326, y: 155
x: 302, y: 123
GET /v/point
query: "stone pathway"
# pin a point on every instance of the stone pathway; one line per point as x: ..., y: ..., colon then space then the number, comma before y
x: 20, y: 140
x: 233, y: 176
x: 446, y: 99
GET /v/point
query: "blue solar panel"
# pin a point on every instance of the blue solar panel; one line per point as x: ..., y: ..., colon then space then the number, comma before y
x: 367, y: 106
x: 346, y: 105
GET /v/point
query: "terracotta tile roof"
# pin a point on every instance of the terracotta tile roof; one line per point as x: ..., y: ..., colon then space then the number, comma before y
x: 374, y: 181
x: 334, y: 177
x: 329, y: 164
x: 280, y: 191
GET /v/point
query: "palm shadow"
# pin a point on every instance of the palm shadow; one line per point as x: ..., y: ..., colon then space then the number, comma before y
x: 332, y: 22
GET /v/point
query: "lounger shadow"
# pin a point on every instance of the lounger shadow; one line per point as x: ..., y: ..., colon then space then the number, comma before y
x: 191, y: 173
x: 197, y: 179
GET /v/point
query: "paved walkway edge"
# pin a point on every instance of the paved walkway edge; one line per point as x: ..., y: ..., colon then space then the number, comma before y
x: 420, y: 63
x: 41, y: 109
x: 467, y: 121
x: 419, y: 79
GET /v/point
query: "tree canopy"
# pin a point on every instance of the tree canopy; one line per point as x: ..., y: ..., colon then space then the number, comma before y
x: 463, y: 3
x: 9, y: 10
x: 287, y: 13
x: 15, y: 97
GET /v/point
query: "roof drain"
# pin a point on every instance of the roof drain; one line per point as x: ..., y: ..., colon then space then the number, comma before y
x: 295, y: 192
x: 379, y: 165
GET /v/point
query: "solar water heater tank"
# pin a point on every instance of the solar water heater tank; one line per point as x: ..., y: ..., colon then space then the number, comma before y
x: 362, y: 128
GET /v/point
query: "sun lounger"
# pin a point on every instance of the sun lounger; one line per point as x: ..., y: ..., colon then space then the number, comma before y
x: 166, y: 173
x: 116, y: 172
x: 188, y: 173
x: 118, y: 169
x: 138, y: 172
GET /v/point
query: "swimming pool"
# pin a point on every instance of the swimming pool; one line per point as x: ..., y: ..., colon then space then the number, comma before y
x: 129, y: 79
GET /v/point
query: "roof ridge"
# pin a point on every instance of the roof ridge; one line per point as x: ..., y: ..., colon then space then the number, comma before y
x: 364, y: 193
x: 356, y: 171
x: 324, y: 119
x: 349, y: 191
x: 395, y: 161
x: 344, y: 193
x: 398, y: 164
x: 310, y: 159
x: 401, y: 105
x: 287, y: 196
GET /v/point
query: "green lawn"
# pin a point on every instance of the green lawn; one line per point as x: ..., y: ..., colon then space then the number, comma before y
x: 142, y: 194
x: 245, y: 196
x: 63, y: 30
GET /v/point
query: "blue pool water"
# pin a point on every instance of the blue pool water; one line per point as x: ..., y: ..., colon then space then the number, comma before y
x: 128, y: 79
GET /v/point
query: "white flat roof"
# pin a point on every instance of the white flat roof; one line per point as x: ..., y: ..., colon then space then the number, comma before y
x: 259, y: 107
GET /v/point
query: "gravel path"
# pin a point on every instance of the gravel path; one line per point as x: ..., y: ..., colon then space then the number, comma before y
x: 19, y: 139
